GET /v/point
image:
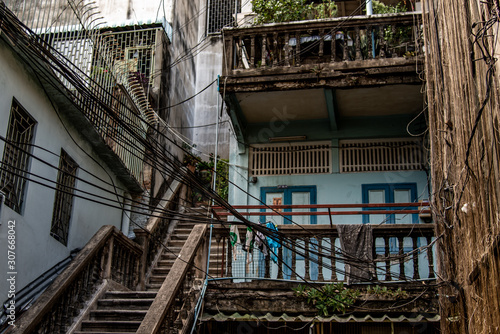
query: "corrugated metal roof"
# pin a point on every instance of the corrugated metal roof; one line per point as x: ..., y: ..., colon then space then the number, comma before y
x: 334, y: 318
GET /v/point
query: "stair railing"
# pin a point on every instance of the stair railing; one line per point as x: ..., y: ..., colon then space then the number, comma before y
x: 172, y: 310
x: 108, y: 255
x: 154, y: 235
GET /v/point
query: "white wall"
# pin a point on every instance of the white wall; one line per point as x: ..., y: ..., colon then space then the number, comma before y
x: 115, y: 11
x: 36, y: 250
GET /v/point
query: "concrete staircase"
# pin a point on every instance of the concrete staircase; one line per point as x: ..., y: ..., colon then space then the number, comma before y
x: 169, y: 255
x: 118, y: 312
x: 123, y: 311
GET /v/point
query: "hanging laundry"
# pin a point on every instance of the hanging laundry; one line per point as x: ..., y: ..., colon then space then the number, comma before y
x: 356, y: 242
x: 261, y: 242
x: 249, y: 240
x: 273, y: 241
x: 234, y: 239
x: 248, y: 246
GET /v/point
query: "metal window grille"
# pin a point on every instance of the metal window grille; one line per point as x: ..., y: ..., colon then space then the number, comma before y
x: 380, y: 155
x: 221, y: 14
x: 15, y: 161
x: 76, y: 54
x: 63, y: 202
x: 133, y: 54
x: 286, y: 159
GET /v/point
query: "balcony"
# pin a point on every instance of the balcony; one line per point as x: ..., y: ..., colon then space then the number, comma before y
x: 322, y: 52
x: 323, y: 74
x: 256, y: 287
x: 400, y: 252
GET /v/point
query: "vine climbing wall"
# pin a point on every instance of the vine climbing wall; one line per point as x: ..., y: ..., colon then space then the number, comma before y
x: 461, y: 39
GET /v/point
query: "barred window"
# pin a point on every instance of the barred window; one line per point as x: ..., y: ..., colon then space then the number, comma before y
x: 221, y: 14
x: 15, y: 161
x: 63, y: 202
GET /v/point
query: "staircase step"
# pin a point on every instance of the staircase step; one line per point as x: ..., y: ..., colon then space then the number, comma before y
x: 102, y: 332
x: 176, y: 243
x: 124, y: 304
x: 118, y: 315
x: 111, y: 326
x: 186, y: 224
x: 172, y: 250
x: 165, y: 263
x: 161, y: 271
x: 170, y: 255
x: 153, y: 287
x: 157, y: 279
x: 180, y: 236
x: 129, y: 295
x: 184, y: 230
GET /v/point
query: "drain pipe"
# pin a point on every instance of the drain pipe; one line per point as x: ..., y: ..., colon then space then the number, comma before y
x: 205, y: 283
x: 369, y: 7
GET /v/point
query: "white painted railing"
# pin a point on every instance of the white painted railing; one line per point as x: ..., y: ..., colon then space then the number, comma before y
x: 291, y: 158
x: 378, y: 155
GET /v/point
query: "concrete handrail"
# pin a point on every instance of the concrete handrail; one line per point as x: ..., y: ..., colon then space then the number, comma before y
x: 165, y: 298
x: 97, y: 255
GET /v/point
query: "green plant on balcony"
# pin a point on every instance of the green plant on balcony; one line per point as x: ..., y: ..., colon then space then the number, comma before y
x: 394, y: 36
x: 381, y: 8
x: 102, y: 76
x: 222, y: 180
x: 204, y: 171
x: 275, y: 11
x: 385, y: 292
x: 330, y: 298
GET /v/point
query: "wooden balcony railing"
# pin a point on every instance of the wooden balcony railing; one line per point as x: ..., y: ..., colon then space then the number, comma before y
x: 313, y: 252
x: 320, y: 42
x: 108, y: 255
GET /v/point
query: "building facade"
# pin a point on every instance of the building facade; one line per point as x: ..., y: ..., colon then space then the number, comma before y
x: 329, y: 121
x: 77, y: 109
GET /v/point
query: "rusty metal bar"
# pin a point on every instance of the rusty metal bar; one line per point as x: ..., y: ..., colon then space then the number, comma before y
x: 326, y: 206
x: 334, y: 213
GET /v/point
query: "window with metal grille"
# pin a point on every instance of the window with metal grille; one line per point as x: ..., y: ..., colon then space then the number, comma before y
x: 129, y: 52
x: 381, y: 155
x: 63, y: 202
x: 15, y: 161
x: 221, y: 14
x: 286, y: 159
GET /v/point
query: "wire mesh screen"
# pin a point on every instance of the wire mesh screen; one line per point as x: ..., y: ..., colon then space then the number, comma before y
x: 221, y: 13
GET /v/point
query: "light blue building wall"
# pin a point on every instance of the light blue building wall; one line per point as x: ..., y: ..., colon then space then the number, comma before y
x: 333, y: 188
